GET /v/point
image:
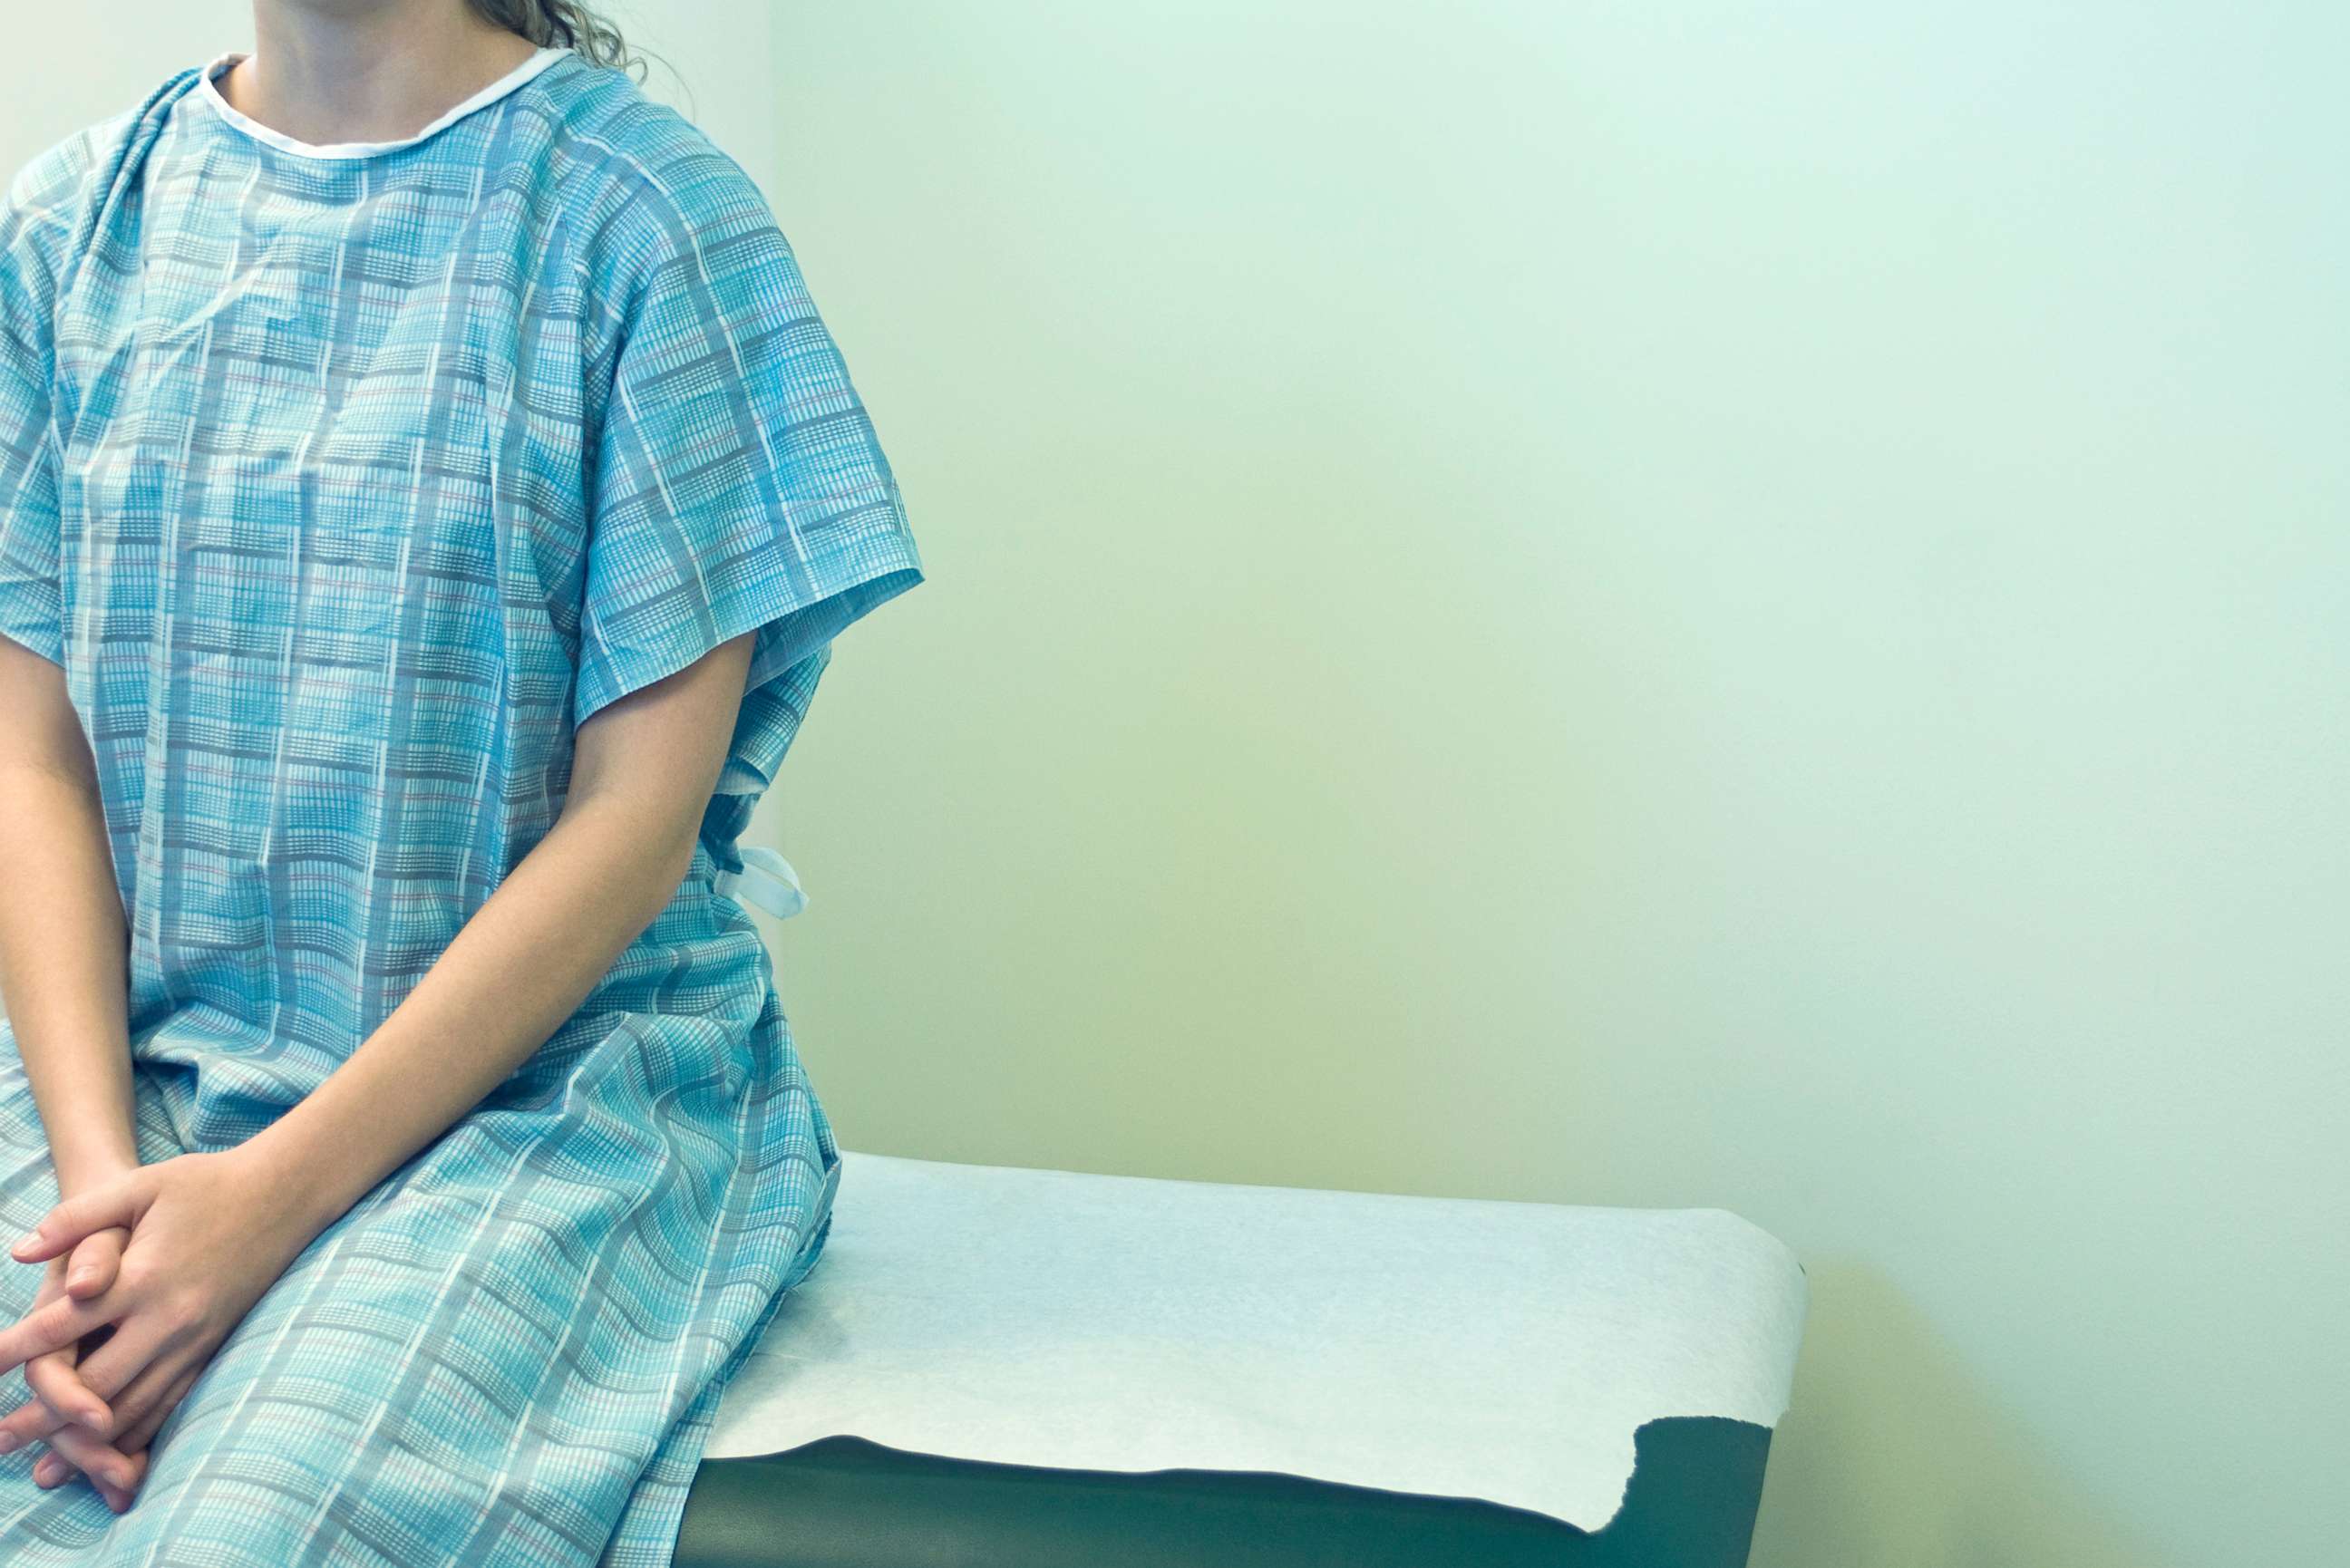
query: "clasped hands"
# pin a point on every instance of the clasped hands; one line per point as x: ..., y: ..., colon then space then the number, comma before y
x: 146, y: 1274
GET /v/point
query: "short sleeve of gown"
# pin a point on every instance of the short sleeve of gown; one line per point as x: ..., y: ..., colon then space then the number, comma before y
x: 738, y: 484
x: 30, y: 590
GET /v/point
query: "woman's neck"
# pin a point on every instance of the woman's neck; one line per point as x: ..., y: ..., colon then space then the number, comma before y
x: 349, y: 71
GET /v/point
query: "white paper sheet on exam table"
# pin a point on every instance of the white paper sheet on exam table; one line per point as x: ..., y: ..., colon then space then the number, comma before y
x: 1448, y: 1346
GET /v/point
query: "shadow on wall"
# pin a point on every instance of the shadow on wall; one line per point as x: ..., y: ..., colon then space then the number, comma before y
x: 1892, y: 1457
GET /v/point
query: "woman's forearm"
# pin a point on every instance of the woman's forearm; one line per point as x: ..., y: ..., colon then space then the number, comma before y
x: 643, y: 770
x: 517, y: 969
x: 62, y: 966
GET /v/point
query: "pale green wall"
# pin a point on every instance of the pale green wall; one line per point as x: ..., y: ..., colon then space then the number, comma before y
x: 1651, y: 605
x: 1633, y: 605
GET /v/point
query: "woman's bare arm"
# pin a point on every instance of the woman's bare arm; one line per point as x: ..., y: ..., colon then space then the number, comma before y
x: 62, y: 939
x: 642, y: 772
x: 210, y: 1232
x: 62, y: 970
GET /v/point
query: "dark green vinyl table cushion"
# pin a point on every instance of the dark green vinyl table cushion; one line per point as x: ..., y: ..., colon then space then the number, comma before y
x: 845, y: 1502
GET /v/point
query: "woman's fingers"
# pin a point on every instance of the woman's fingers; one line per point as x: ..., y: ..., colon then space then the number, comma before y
x: 41, y: 1414
x: 142, y: 1431
x: 101, y: 1376
x: 58, y: 1395
x: 119, y: 1202
x: 35, y: 1419
x: 92, y: 1267
x: 139, y: 1396
x: 121, y: 1467
x: 139, y: 1465
x: 139, y: 1342
x: 94, y: 1457
x: 53, y: 1326
x: 28, y: 1422
x: 139, y: 1365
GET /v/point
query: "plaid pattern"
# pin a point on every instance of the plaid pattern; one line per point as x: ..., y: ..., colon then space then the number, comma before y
x: 343, y: 489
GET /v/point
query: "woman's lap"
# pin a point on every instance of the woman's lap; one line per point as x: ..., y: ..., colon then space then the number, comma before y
x: 457, y: 1370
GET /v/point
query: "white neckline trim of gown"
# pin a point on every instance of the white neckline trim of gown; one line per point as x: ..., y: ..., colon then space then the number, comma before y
x: 546, y: 57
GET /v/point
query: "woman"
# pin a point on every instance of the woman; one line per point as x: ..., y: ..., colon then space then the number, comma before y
x: 427, y: 500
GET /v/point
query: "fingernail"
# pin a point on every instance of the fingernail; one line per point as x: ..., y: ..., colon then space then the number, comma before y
x: 10, y: 1442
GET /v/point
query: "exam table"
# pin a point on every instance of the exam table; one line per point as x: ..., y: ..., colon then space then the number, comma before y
x: 1002, y: 1367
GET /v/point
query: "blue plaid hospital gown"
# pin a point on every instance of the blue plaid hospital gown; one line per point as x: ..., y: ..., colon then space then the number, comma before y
x: 343, y: 482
